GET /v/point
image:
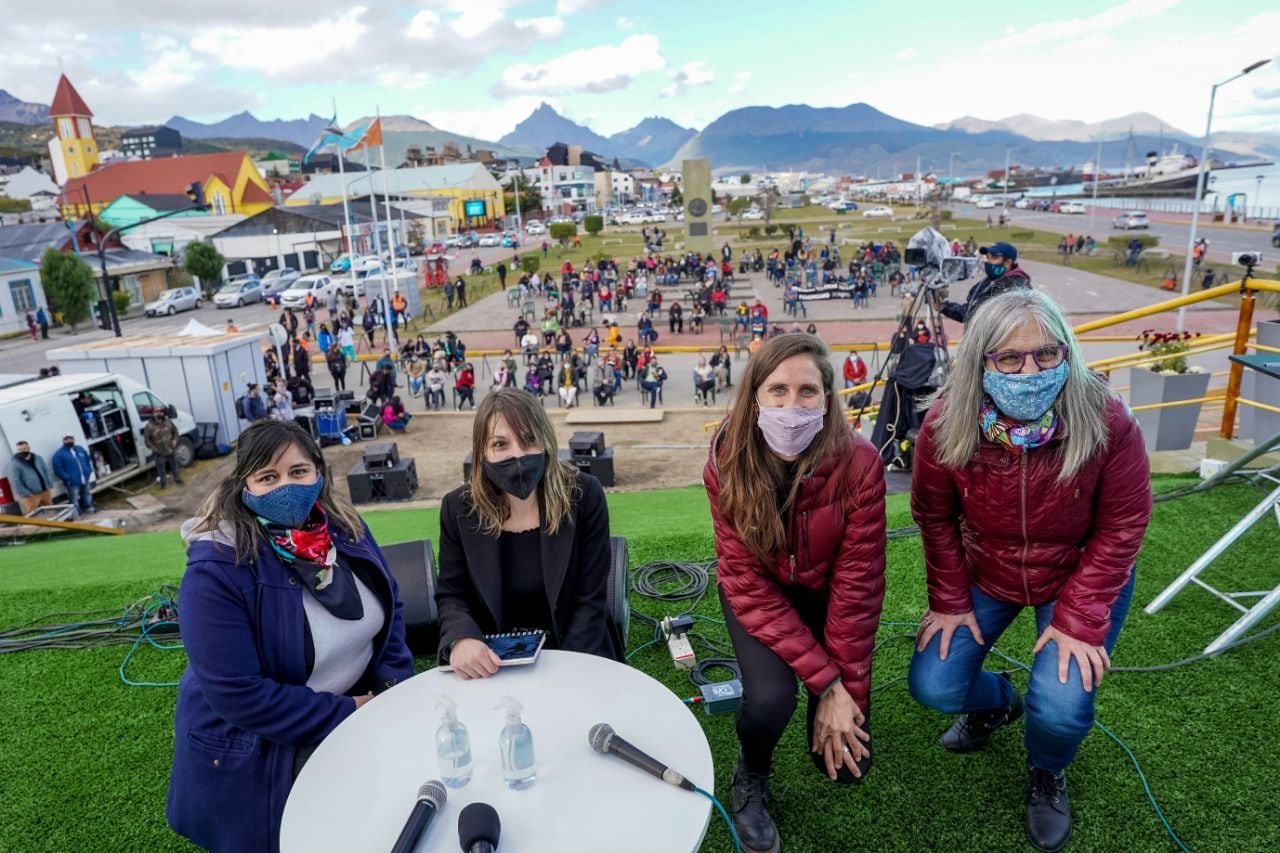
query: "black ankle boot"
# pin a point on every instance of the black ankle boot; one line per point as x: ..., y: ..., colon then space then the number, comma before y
x: 756, y: 830
x: 1048, y: 810
x: 974, y: 731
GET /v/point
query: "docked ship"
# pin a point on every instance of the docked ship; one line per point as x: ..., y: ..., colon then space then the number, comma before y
x: 1163, y: 175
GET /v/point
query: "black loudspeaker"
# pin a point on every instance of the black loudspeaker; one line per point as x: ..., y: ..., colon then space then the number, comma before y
x: 399, y: 482
x: 600, y: 467
x: 587, y: 443
x: 466, y: 468
x: 384, y: 455
x: 360, y: 485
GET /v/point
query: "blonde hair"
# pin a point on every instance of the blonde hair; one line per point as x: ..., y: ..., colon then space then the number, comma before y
x: 530, y: 426
x: 1081, y: 405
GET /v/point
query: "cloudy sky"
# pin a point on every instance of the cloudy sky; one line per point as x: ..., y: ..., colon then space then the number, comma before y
x: 480, y: 66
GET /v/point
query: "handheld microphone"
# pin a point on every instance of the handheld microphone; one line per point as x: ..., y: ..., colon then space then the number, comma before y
x: 604, y: 741
x: 479, y: 828
x: 431, y: 798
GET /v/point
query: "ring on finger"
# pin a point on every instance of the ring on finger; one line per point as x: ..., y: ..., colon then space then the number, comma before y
x: 846, y: 749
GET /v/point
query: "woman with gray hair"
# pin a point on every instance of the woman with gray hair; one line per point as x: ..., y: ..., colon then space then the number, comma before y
x: 1031, y: 487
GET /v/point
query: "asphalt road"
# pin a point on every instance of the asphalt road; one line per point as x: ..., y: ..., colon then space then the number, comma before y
x: 1223, y: 240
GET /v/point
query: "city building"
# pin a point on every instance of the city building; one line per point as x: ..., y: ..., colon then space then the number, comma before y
x: 473, y: 194
x: 230, y: 180
x: 73, y: 151
x: 128, y: 210
x: 20, y: 291
x: 143, y: 143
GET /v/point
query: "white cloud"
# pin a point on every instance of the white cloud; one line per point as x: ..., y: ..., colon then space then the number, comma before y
x: 686, y: 77
x: 573, y: 7
x: 740, y: 81
x: 486, y: 122
x: 1108, y: 19
x: 424, y: 25
x: 625, y: 23
x: 596, y: 69
x: 908, y: 53
x: 281, y: 50
x: 1265, y: 94
x: 171, y: 66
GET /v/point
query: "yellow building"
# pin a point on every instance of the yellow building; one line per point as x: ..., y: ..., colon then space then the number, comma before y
x: 73, y: 150
x: 475, y: 196
x: 231, y: 182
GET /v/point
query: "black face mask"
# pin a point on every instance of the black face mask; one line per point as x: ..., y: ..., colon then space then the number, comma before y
x: 517, y: 476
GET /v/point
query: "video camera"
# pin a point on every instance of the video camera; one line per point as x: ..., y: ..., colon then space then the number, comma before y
x: 1246, y: 259
x: 929, y: 250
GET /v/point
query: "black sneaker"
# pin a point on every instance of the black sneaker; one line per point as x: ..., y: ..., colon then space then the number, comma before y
x: 1048, y: 820
x: 756, y: 830
x: 974, y: 731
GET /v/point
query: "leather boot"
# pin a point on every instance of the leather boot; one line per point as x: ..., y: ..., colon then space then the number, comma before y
x: 756, y: 830
x: 1048, y: 810
x: 974, y: 731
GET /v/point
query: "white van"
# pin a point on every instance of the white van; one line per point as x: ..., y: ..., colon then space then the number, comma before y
x: 106, y: 412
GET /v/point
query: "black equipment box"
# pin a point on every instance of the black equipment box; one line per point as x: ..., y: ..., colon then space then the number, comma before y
x: 396, y: 483
x: 599, y: 466
x: 586, y: 443
x: 384, y: 455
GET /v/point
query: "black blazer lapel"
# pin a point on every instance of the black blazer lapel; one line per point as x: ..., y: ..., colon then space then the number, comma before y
x: 556, y: 551
x: 482, y: 560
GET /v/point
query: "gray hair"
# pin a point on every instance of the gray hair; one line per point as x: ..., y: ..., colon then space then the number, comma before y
x: 1081, y: 405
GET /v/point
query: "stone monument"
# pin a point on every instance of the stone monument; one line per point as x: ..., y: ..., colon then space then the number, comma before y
x: 697, y: 205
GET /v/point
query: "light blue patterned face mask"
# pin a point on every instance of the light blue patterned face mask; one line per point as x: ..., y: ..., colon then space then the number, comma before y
x: 288, y: 505
x: 1024, y: 396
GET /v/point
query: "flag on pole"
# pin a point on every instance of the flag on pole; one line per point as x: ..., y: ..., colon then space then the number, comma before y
x: 366, y: 136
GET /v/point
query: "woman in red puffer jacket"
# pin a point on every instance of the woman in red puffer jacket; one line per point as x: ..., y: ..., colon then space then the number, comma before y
x: 1032, y: 488
x: 797, y: 498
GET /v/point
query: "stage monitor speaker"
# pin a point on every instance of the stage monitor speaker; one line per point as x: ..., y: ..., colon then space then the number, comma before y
x: 368, y: 429
x: 360, y: 485
x: 397, y: 483
x: 587, y: 443
x: 382, y: 455
x: 466, y: 468
x: 600, y: 467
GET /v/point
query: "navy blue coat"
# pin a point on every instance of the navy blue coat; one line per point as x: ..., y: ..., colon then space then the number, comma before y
x: 72, y: 465
x: 243, y: 705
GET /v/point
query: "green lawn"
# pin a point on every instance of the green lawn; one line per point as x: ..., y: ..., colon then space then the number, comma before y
x: 86, y: 758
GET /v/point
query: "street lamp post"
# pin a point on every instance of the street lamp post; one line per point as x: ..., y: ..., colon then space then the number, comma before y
x: 1004, y: 196
x: 515, y: 191
x: 1204, y: 166
x: 1257, y: 195
x: 951, y: 165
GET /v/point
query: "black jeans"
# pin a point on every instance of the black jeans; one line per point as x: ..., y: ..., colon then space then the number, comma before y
x: 169, y: 462
x: 769, y: 690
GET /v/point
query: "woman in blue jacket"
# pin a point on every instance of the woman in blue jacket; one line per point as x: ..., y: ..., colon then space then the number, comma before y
x: 291, y: 621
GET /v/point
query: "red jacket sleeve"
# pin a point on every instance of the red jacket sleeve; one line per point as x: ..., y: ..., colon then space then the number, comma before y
x: 857, y: 580
x: 1121, y: 511
x: 935, y: 505
x: 758, y: 602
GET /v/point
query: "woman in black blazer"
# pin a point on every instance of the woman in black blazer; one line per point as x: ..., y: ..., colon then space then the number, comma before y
x: 524, y: 544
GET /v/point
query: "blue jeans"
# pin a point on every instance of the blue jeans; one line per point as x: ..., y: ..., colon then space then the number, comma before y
x: 80, y: 497
x: 1058, y: 716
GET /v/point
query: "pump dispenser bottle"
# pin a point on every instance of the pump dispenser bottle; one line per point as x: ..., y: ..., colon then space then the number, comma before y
x: 453, y: 745
x: 515, y: 745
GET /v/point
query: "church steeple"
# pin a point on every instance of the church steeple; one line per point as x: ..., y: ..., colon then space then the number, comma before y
x: 73, y: 150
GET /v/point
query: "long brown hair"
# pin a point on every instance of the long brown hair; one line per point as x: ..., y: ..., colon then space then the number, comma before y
x: 529, y: 424
x: 750, y: 473
x: 261, y: 442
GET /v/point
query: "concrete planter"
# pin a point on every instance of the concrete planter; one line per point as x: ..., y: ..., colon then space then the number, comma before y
x: 1171, y: 428
x: 1259, y: 424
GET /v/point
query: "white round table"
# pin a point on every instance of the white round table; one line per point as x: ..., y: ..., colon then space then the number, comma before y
x: 361, y: 783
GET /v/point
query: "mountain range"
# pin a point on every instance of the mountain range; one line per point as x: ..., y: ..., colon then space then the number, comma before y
x: 857, y: 138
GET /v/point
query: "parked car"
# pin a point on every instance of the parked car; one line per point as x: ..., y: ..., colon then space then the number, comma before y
x: 173, y: 300
x: 878, y: 212
x: 841, y: 204
x: 1023, y: 203
x: 320, y: 285
x: 1054, y: 207
x: 277, y: 281
x: 985, y: 203
x: 239, y: 291
x: 1275, y: 236
x: 511, y: 240
x: 1131, y: 219
x: 1076, y: 207
x: 341, y: 264
x: 535, y: 227
x: 753, y: 213
x: 491, y: 240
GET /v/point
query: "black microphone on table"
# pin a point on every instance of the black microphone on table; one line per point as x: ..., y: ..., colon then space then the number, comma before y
x: 479, y: 828
x: 605, y: 741
x: 431, y: 798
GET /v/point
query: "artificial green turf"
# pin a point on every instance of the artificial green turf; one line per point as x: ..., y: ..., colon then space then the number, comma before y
x: 86, y: 758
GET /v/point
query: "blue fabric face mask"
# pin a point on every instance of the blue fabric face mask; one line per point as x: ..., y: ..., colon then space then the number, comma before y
x: 289, y: 505
x: 994, y: 271
x: 1024, y: 396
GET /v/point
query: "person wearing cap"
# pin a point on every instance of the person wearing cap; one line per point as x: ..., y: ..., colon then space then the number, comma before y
x: 1002, y: 274
x: 72, y: 465
x: 161, y: 437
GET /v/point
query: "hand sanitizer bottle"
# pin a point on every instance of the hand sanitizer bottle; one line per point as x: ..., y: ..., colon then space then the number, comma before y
x: 515, y: 745
x: 453, y: 745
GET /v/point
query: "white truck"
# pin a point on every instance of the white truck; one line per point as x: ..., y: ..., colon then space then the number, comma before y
x: 106, y: 412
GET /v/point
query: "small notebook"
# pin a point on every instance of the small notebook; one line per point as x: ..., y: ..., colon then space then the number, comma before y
x: 519, y: 648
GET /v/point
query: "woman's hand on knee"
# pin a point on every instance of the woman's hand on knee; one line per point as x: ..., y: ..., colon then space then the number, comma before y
x: 946, y: 624
x: 1092, y: 660
x: 472, y: 658
x: 838, y: 735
